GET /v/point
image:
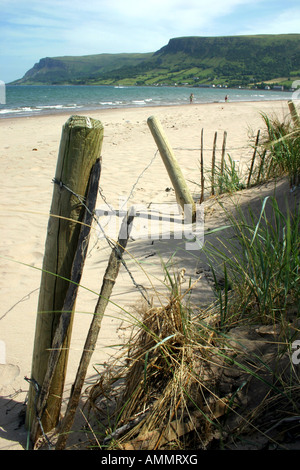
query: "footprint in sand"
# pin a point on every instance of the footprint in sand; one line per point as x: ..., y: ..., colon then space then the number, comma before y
x: 8, y: 373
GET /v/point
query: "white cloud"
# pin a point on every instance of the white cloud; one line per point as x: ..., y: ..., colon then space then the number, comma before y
x: 279, y: 22
x: 39, y: 28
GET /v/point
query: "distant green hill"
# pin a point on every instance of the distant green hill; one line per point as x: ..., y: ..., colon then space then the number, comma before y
x: 229, y: 60
x: 78, y: 69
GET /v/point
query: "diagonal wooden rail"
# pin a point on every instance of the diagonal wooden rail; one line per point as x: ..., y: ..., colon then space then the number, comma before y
x: 182, y: 191
x: 109, y: 280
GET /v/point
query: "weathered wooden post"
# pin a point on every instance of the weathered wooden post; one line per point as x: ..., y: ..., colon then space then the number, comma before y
x: 294, y: 114
x: 223, y: 156
x: 261, y: 166
x: 213, y: 164
x: 182, y: 191
x: 202, y: 169
x: 80, y: 147
x: 253, y: 158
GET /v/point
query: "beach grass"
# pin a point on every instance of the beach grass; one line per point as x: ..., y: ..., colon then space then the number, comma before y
x: 281, y: 149
x: 175, y: 389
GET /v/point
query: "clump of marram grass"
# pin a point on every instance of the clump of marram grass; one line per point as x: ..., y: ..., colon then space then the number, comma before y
x: 277, y: 154
x: 162, y: 401
x: 190, y: 383
x: 260, y: 265
x: 280, y: 150
x: 228, y: 177
x: 196, y: 388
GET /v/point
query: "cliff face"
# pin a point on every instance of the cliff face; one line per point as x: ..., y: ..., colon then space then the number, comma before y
x: 262, y: 57
x: 46, y: 69
x: 235, y: 47
x: 78, y: 69
x: 244, y: 59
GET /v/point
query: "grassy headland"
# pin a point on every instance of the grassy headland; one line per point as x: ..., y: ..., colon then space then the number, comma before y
x: 194, y: 61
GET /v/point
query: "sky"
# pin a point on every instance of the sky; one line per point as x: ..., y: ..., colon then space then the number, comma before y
x: 33, y: 29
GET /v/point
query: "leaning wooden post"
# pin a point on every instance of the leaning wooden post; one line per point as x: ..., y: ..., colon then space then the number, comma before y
x: 294, y: 114
x: 182, y: 191
x: 109, y: 280
x: 80, y: 147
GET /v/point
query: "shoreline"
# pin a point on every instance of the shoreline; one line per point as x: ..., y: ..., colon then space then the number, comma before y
x: 23, y: 102
x: 125, y: 109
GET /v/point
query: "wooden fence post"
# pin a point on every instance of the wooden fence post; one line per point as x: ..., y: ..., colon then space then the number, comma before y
x: 223, y: 152
x: 261, y: 166
x: 213, y: 164
x: 223, y: 159
x: 182, y: 191
x: 80, y: 147
x: 253, y: 158
x: 202, y: 169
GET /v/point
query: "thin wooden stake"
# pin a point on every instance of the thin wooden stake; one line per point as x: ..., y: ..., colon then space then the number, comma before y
x: 261, y: 165
x: 223, y: 158
x: 202, y: 169
x: 90, y: 343
x: 80, y: 147
x: 182, y: 191
x: 253, y: 158
x: 213, y: 163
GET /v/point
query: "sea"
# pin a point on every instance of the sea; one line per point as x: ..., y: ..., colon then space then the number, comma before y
x: 31, y: 100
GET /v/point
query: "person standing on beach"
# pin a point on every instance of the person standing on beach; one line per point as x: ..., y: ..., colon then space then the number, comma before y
x: 226, y: 98
x: 191, y: 97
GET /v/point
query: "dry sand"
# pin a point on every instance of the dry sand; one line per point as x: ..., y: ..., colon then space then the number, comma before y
x: 28, y: 155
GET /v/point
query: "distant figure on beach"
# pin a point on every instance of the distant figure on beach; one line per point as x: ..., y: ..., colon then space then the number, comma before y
x: 191, y: 97
x: 226, y: 98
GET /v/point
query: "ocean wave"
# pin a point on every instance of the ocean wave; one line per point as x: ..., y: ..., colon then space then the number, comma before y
x: 32, y: 101
x: 59, y: 106
x: 38, y: 109
x: 24, y: 109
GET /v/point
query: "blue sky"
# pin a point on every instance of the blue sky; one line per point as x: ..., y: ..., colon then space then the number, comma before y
x: 32, y: 29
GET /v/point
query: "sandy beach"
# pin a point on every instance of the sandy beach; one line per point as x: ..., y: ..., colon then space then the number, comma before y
x: 133, y: 173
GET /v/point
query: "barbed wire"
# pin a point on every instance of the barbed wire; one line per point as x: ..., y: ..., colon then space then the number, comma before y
x: 138, y: 178
x: 113, y: 211
x: 23, y: 299
x: 113, y: 246
x: 37, y: 389
x: 198, y: 149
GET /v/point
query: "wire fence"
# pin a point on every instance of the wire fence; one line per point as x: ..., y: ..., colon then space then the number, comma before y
x: 126, y: 200
x: 112, y: 244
